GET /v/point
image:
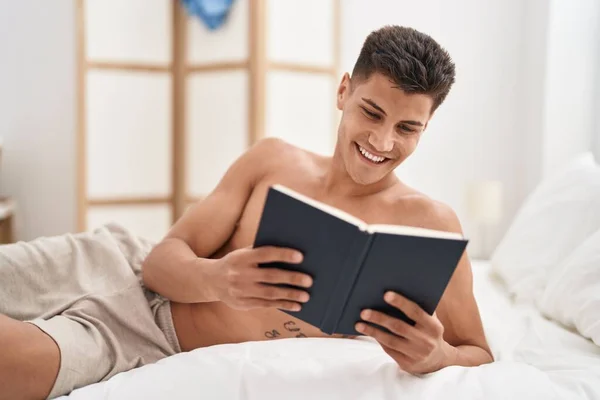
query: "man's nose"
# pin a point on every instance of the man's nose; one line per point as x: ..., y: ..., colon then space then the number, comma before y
x: 382, y: 142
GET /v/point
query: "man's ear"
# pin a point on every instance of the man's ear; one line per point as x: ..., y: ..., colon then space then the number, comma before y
x: 343, y: 91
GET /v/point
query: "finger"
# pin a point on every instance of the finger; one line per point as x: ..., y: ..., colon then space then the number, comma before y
x: 392, y: 341
x: 263, y: 303
x: 280, y: 276
x: 410, y: 308
x: 395, y: 325
x: 268, y: 254
x: 270, y: 292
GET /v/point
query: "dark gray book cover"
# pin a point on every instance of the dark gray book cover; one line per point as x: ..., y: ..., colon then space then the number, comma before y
x: 353, y: 264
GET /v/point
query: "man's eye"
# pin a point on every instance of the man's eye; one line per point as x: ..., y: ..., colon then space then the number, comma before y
x: 372, y: 115
x: 407, y: 129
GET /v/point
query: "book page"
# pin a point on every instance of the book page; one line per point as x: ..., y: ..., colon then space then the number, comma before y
x: 381, y: 228
x: 336, y: 212
x: 413, y: 231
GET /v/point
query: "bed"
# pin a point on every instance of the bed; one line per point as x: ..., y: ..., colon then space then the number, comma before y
x: 536, y: 358
x: 539, y: 300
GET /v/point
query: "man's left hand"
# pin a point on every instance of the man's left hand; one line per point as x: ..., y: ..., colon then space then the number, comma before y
x: 417, y: 349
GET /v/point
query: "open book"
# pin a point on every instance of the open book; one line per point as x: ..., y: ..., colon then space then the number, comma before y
x: 353, y: 263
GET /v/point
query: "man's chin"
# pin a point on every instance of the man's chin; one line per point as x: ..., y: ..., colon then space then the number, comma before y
x: 369, y: 175
x: 366, y: 180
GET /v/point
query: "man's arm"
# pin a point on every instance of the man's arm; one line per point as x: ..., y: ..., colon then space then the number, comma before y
x: 458, y: 311
x: 453, y: 335
x: 177, y: 267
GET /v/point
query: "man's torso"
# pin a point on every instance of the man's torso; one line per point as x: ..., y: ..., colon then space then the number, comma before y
x: 205, y: 324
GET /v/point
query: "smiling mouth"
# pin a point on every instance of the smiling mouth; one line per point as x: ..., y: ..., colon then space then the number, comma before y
x: 369, y: 157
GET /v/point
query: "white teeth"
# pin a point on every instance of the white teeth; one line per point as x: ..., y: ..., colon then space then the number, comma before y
x: 370, y: 156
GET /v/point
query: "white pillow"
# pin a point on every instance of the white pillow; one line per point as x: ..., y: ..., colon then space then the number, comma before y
x: 572, y: 295
x: 557, y: 216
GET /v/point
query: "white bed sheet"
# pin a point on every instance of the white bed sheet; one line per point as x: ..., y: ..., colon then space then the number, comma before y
x: 535, y: 359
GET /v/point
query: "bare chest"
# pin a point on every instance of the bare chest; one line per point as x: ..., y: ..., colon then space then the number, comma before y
x: 369, y: 210
x: 267, y: 324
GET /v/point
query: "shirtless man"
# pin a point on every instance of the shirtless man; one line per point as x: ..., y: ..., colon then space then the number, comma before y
x: 207, y: 269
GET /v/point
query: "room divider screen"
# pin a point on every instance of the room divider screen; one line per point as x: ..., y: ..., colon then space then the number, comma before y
x: 166, y: 105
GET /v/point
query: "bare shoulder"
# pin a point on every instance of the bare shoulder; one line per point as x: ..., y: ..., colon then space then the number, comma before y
x: 259, y: 160
x: 280, y: 160
x: 430, y: 213
x: 267, y: 150
x: 271, y: 145
x: 272, y: 153
x: 267, y: 158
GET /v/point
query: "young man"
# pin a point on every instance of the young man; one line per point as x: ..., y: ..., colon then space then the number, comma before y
x: 201, y: 285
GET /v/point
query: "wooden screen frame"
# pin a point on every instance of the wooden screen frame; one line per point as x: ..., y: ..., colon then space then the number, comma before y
x: 257, y: 66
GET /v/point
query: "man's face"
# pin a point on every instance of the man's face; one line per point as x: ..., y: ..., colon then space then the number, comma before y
x: 380, y: 127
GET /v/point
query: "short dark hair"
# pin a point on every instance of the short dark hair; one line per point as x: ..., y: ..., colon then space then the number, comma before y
x: 413, y: 60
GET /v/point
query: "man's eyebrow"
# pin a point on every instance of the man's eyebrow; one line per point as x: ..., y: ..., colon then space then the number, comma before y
x: 374, y: 105
x: 416, y: 123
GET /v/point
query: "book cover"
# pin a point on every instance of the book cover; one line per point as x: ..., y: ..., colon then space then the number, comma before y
x: 352, y: 263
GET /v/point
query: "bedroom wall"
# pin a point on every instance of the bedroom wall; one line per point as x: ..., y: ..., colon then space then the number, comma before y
x: 596, y: 135
x: 561, y: 74
x: 533, y: 80
x: 573, y: 62
x: 477, y: 133
x: 37, y: 114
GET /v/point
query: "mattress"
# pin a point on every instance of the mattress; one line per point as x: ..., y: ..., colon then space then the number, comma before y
x: 535, y: 359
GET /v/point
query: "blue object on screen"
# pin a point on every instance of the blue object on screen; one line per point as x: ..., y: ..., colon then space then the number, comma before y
x: 212, y: 12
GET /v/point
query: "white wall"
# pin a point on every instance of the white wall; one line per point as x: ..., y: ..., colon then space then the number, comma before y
x: 37, y: 113
x: 573, y: 62
x: 533, y: 83
x: 596, y: 136
x: 561, y: 82
x: 477, y: 133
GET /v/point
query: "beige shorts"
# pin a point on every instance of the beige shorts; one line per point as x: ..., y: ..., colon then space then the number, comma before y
x: 85, y: 291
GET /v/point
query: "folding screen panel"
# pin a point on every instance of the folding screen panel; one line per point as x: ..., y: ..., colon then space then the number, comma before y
x: 128, y: 32
x: 148, y: 220
x: 166, y: 105
x: 300, y: 109
x: 228, y: 44
x: 217, y: 127
x: 302, y: 72
x: 126, y: 116
x: 217, y: 90
x: 302, y: 32
x: 128, y: 135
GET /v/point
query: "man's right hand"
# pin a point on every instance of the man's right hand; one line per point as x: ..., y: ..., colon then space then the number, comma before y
x: 237, y: 280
